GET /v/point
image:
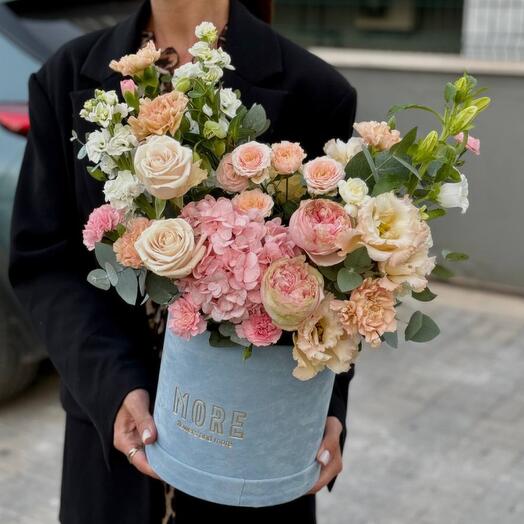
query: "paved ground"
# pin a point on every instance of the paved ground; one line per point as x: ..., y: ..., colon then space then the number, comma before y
x: 436, y: 431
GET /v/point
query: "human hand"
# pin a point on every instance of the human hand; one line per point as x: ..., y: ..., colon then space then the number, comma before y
x: 133, y: 428
x: 329, y: 455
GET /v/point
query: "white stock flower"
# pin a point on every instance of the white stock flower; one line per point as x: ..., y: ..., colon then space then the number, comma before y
x: 122, y: 140
x: 455, y: 194
x: 122, y: 190
x: 201, y: 50
x: 212, y: 74
x: 107, y: 165
x: 96, y: 144
x: 206, y: 31
x: 229, y: 102
x: 103, y: 108
x: 354, y: 192
x: 342, y: 151
x: 189, y: 70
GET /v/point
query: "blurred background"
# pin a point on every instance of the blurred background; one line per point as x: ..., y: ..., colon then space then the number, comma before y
x: 436, y: 433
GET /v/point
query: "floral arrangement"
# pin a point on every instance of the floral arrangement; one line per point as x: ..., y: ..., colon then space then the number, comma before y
x: 248, y: 240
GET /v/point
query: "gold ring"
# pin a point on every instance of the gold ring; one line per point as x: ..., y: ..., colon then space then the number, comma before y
x: 132, y: 452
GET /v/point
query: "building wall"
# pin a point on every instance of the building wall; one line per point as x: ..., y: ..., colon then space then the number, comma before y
x: 492, y: 231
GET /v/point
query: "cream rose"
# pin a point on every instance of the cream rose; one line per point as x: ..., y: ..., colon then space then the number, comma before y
x: 354, y: 192
x: 168, y: 248
x: 166, y: 167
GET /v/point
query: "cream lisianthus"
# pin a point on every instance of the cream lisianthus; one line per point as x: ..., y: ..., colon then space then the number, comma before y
x: 321, y: 342
x: 166, y: 167
x: 342, y: 151
x: 377, y: 134
x: 168, y: 248
x: 390, y: 227
x: 354, y: 192
x: 455, y: 194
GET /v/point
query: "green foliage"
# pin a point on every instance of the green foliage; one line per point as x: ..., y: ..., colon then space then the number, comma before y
x: 347, y: 279
x: 442, y: 272
x: 391, y: 339
x: 424, y: 296
x: 421, y: 328
x: 160, y: 289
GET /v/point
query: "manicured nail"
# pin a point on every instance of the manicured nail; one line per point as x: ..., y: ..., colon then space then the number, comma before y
x: 146, y: 435
x: 325, y: 457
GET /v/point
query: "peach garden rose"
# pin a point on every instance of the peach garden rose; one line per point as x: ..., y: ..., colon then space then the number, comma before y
x: 227, y: 178
x: 322, y: 175
x: 254, y: 202
x: 287, y: 157
x: 291, y: 290
x: 252, y: 160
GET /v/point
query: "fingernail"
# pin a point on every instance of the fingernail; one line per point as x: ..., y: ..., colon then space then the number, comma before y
x: 146, y: 435
x: 325, y: 457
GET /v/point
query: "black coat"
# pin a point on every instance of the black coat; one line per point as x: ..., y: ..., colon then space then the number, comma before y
x: 99, y: 345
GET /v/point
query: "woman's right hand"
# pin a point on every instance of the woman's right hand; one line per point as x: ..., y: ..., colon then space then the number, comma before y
x: 133, y: 428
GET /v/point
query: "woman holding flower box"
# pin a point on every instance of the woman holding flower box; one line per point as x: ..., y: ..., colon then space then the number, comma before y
x: 103, y: 349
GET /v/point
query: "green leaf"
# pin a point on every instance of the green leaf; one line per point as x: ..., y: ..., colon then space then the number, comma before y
x: 111, y: 274
x: 160, y: 206
x: 97, y: 173
x: 218, y: 341
x: 424, y: 296
x: 454, y: 256
x: 450, y: 92
x: 289, y: 207
x: 348, y: 280
x: 226, y: 329
x: 358, y: 167
x: 407, y: 165
x: 389, y: 182
x: 99, y: 279
x: 160, y: 289
x: 105, y: 255
x: 329, y: 272
x: 421, y: 328
x: 248, y: 351
x: 435, y: 213
x: 407, y: 141
x: 442, y: 272
x: 255, y: 118
x: 127, y: 286
x: 391, y: 339
x: 142, y: 281
x: 358, y: 259
x: 403, y: 107
x: 371, y: 163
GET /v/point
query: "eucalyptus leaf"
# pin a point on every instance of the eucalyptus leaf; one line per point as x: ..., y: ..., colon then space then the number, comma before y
x: 454, y: 256
x: 389, y: 182
x: 105, y: 255
x: 424, y: 296
x: 329, y: 272
x: 160, y: 289
x: 226, y: 329
x: 407, y: 165
x: 142, y: 282
x: 443, y: 272
x: 358, y: 259
x: 358, y: 167
x: 391, y: 339
x: 371, y: 163
x: 218, y: 341
x: 255, y: 118
x: 407, y: 141
x: 421, y: 328
x: 99, y: 279
x: 348, y: 280
x: 111, y: 274
x: 127, y: 286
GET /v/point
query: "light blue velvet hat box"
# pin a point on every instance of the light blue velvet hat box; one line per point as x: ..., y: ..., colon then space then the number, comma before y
x: 233, y: 431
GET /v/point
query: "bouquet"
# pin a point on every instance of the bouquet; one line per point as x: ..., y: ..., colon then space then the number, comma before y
x: 249, y: 241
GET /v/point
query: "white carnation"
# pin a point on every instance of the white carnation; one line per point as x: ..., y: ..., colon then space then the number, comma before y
x: 107, y: 165
x: 229, y: 102
x: 122, y: 190
x: 206, y: 31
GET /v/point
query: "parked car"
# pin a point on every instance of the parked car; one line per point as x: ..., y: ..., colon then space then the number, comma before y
x: 30, y: 31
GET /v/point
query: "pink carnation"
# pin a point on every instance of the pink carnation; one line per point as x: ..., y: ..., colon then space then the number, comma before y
x: 185, y: 319
x: 101, y: 220
x: 258, y: 329
x: 473, y: 144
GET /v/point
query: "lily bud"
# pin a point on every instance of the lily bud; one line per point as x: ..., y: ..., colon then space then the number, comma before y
x: 463, y: 119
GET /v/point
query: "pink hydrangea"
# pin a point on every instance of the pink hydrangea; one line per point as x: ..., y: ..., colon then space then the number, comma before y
x: 185, y: 319
x: 101, y: 220
x: 258, y: 328
x: 225, y: 285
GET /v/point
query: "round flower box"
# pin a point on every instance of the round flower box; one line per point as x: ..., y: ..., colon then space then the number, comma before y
x: 233, y: 431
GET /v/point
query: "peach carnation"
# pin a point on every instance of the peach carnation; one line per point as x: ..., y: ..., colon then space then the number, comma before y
x: 227, y: 178
x: 370, y: 311
x: 286, y: 157
x: 124, y: 247
x: 377, y: 134
x: 322, y: 175
x: 134, y: 64
x: 254, y: 203
x: 159, y: 116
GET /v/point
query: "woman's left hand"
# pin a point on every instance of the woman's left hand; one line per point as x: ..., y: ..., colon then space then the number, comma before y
x: 329, y: 455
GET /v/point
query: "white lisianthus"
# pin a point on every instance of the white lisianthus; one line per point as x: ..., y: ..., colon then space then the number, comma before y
x: 354, y: 192
x: 107, y: 165
x: 229, y: 102
x: 455, y: 194
x: 201, y: 50
x: 96, y: 144
x: 342, y: 151
x: 122, y: 190
x: 122, y: 140
x: 206, y: 31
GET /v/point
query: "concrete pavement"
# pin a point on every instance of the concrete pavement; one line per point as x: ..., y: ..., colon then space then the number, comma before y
x: 436, y: 431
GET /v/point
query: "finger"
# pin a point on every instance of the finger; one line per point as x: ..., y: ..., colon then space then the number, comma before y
x: 137, y: 403
x: 140, y: 462
x: 327, y: 474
